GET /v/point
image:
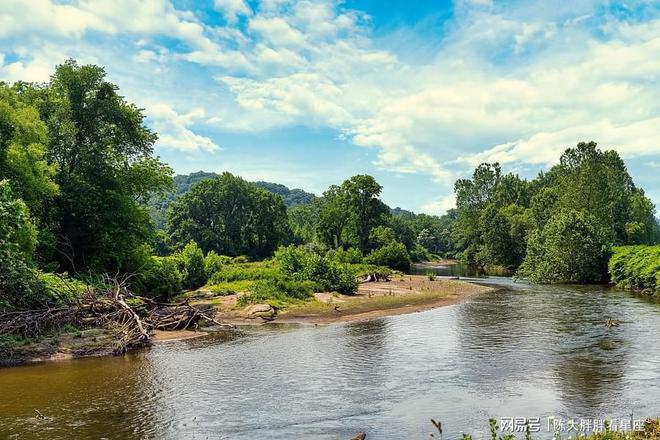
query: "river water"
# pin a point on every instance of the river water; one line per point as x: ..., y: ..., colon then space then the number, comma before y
x: 524, y: 351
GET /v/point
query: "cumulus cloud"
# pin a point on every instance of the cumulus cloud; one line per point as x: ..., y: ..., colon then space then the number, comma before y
x: 174, y: 129
x: 440, y: 206
x: 509, y: 82
x: 232, y: 9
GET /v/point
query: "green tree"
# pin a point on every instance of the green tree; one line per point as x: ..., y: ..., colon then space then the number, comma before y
x: 569, y: 248
x: 192, y: 266
x: 103, y: 152
x: 230, y: 216
x: 333, y: 217
x: 349, y: 212
x: 303, y: 221
x: 17, y: 240
x: 597, y: 182
x: 366, y: 209
x: 23, y: 137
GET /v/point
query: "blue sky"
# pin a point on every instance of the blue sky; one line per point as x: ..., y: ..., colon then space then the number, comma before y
x: 417, y: 92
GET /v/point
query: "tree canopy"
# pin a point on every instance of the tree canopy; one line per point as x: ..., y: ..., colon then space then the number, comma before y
x: 230, y: 216
x: 589, y: 196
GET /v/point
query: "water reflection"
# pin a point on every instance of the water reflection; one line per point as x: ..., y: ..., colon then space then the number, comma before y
x: 522, y: 351
x: 74, y: 397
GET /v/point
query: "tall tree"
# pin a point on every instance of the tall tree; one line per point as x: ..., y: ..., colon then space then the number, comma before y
x: 103, y: 152
x: 367, y: 211
x: 23, y: 138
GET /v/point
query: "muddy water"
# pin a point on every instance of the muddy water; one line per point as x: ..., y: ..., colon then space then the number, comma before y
x: 521, y: 352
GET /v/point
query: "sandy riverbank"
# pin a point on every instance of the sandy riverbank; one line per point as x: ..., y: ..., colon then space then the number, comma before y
x: 403, y: 294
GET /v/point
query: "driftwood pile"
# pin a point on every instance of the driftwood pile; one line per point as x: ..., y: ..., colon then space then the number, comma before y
x: 130, y: 317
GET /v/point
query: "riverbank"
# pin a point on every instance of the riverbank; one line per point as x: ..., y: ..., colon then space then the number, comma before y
x: 403, y: 294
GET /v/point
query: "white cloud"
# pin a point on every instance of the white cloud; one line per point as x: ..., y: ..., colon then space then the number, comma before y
x: 516, y: 83
x: 174, y: 132
x: 440, y: 206
x: 232, y: 9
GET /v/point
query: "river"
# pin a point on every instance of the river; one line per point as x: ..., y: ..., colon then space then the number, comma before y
x: 524, y: 351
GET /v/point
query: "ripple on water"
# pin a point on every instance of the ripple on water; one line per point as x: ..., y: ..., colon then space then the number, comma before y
x: 523, y: 351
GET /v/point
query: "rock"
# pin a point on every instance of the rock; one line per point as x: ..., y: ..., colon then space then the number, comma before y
x: 260, y: 311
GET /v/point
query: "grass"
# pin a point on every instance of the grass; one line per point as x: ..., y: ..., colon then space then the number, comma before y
x: 231, y: 287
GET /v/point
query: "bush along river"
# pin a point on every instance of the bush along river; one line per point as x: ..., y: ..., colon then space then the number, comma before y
x: 522, y: 351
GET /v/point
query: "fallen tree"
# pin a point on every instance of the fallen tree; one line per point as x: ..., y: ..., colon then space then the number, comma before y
x: 112, y: 306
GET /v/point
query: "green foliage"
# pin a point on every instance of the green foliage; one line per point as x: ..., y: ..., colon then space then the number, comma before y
x: 348, y: 213
x: 161, y: 278
x: 381, y: 236
x: 636, y: 267
x: 498, y: 214
x: 303, y: 220
x: 392, y: 255
x: 23, y: 152
x: 346, y: 256
x: 214, y: 263
x: 60, y: 288
x: 98, y: 153
x: 302, y: 265
x: 569, y: 248
x: 230, y: 216
x: 231, y: 287
x: 240, y: 272
x: 278, y: 292
x: 419, y: 253
x: 17, y: 239
x: 192, y: 266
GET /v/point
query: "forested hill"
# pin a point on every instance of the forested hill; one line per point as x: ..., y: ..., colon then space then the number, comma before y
x: 183, y: 182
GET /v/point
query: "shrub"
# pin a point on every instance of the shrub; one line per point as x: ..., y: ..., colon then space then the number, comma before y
x: 214, y: 263
x: 161, y: 278
x: 17, y: 241
x: 349, y: 256
x: 302, y: 265
x: 420, y: 253
x: 393, y: 255
x: 60, y: 288
x: 341, y: 278
x: 636, y: 267
x: 192, y: 266
x: 243, y: 272
x: 291, y: 259
x: 278, y: 292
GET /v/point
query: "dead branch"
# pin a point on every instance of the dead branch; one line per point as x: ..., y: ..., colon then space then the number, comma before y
x: 107, y: 307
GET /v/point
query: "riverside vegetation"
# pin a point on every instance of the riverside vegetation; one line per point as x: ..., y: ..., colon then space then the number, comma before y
x: 83, y: 195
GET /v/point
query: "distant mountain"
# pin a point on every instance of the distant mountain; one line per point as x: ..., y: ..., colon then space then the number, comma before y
x: 183, y: 182
x: 292, y: 197
x: 402, y: 213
